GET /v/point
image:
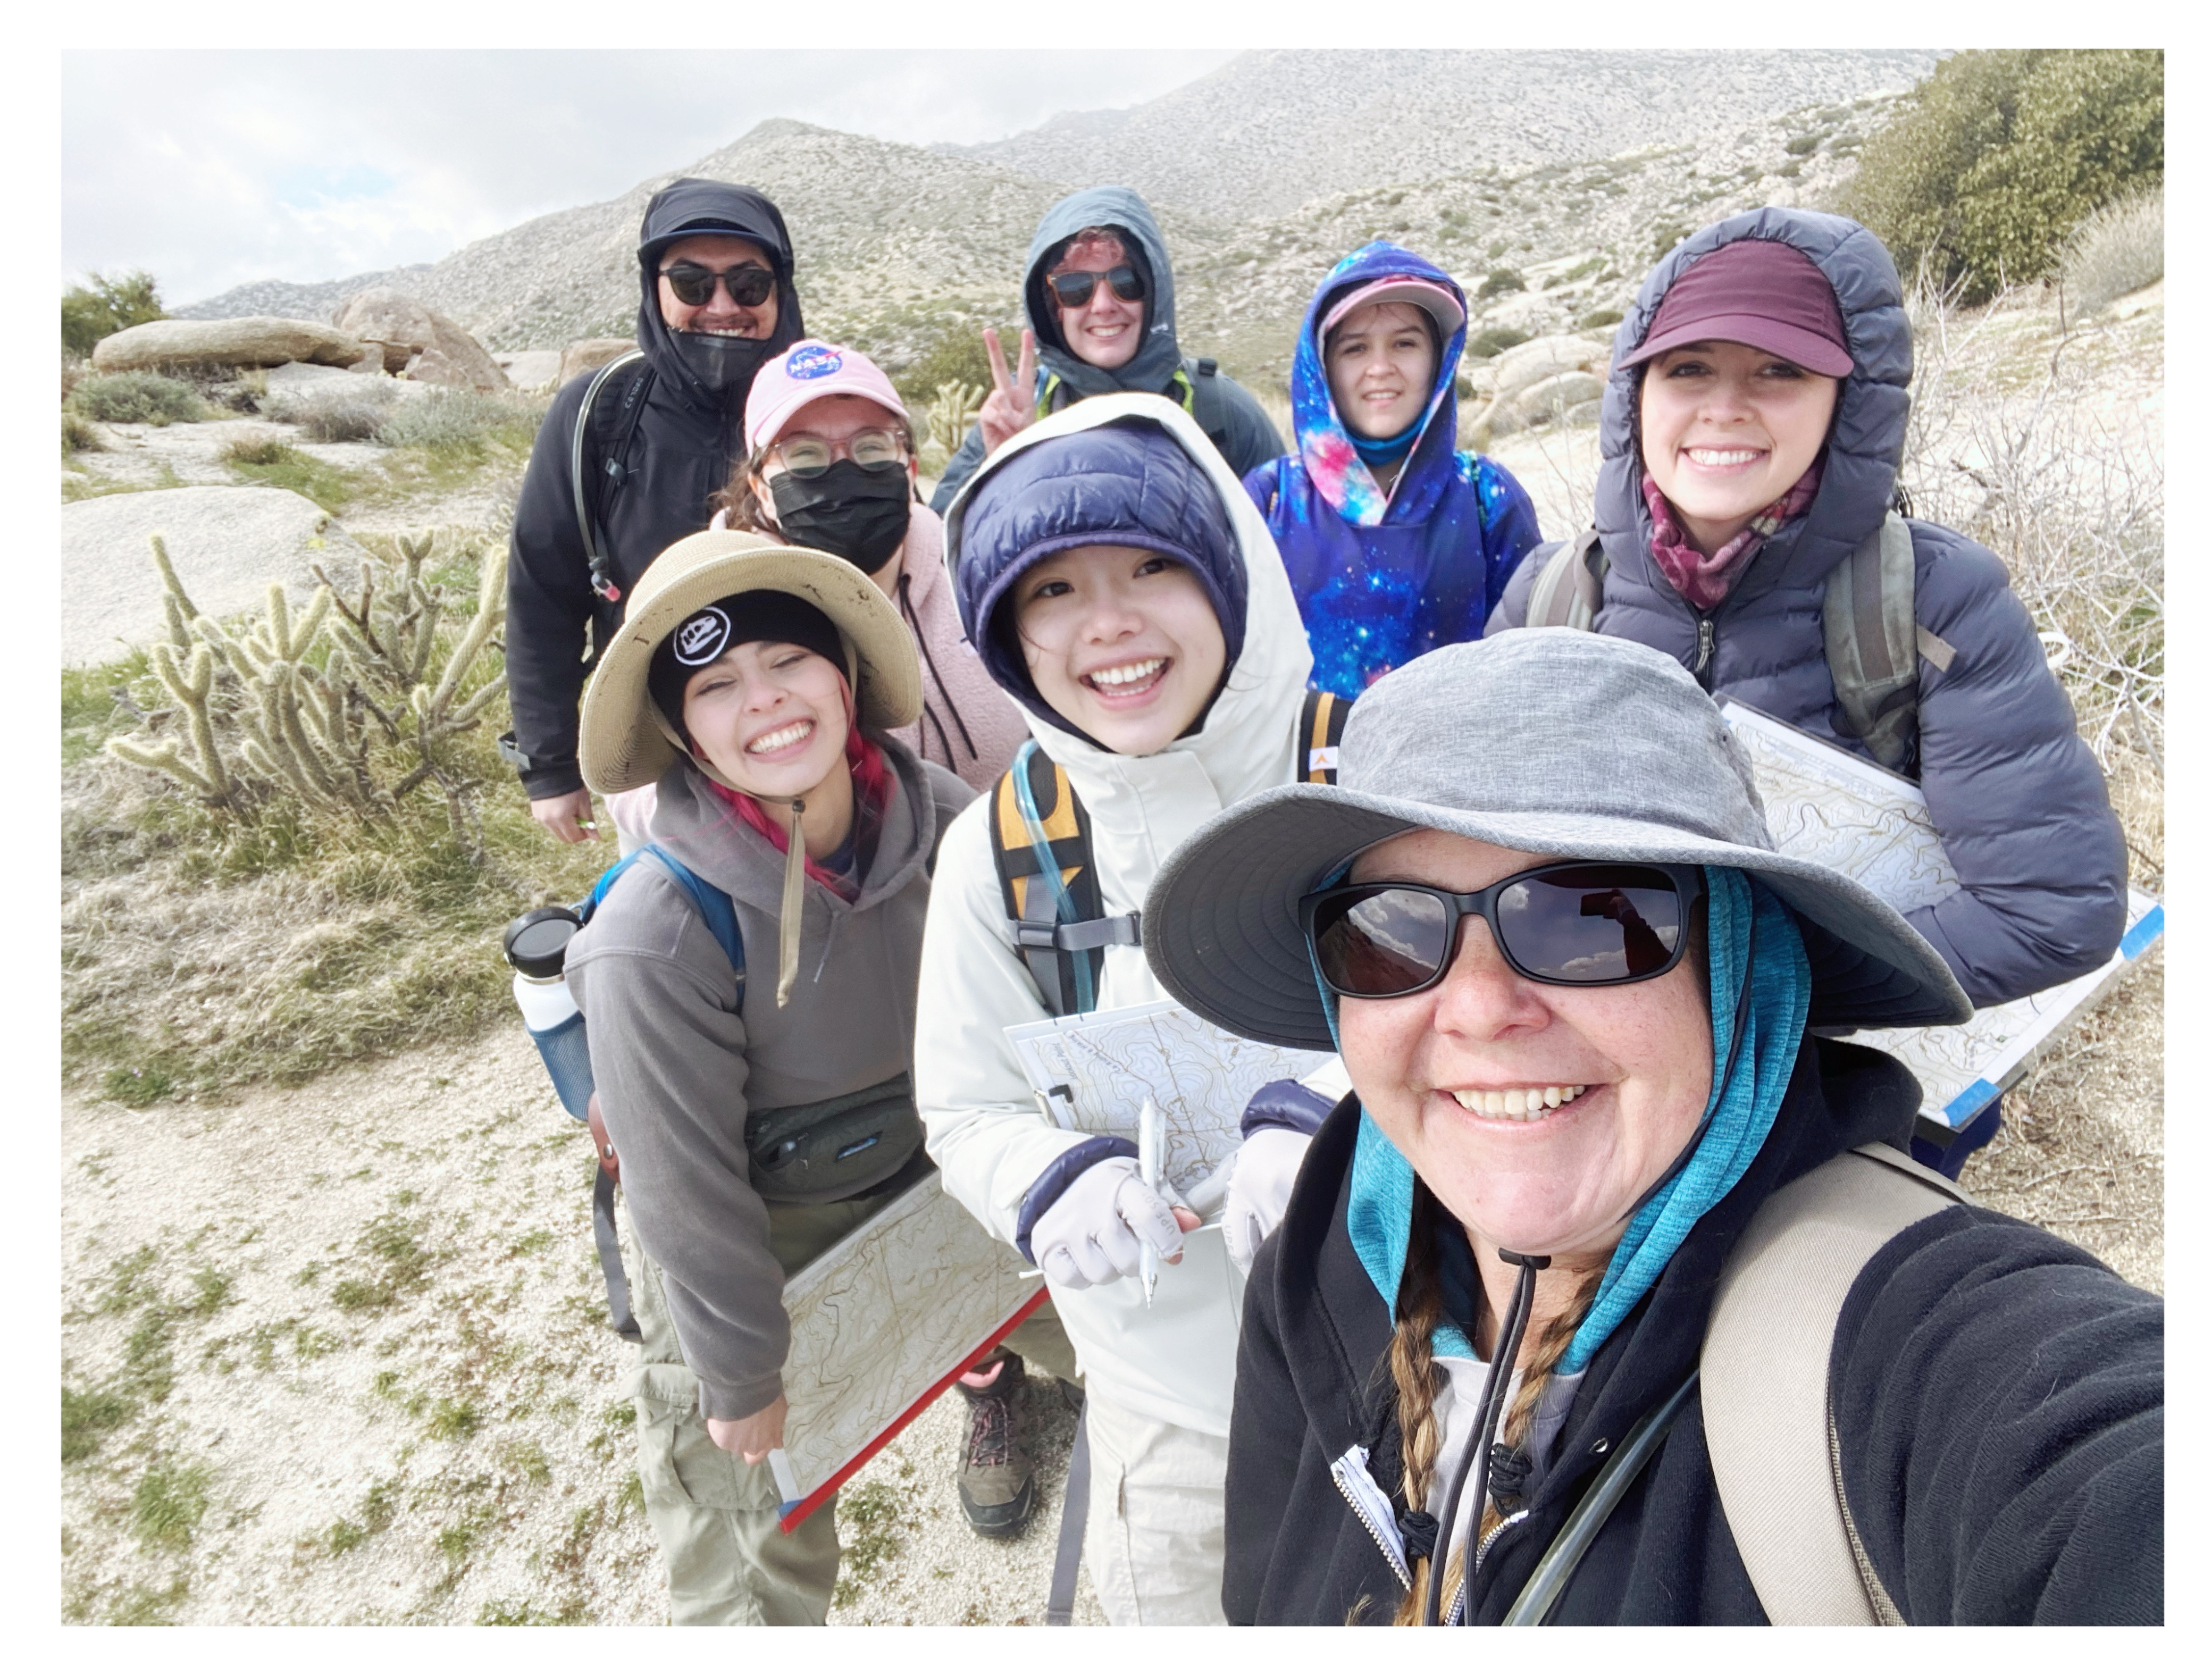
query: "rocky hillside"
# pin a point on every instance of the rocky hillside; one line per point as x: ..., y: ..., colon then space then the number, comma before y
x: 1271, y: 130
x: 899, y: 243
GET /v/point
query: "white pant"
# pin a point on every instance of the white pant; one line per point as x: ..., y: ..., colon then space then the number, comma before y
x: 1153, y: 1535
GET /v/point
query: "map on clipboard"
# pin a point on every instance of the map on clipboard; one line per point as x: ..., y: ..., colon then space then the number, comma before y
x: 1094, y: 1071
x: 1827, y: 806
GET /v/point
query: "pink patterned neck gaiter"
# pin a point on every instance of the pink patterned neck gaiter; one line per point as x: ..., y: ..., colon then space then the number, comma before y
x: 1705, y: 580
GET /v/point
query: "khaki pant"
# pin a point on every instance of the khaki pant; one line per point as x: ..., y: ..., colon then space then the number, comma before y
x: 729, y: 1561
x: 1153, y: 1536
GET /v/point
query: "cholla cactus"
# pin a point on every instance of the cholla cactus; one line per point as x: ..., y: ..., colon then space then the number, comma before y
x: 312, y: 731
x: 950, y: 413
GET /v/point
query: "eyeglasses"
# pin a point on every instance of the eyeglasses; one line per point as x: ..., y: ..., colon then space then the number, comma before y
x: 873, y: 447
x: 1074, y: 289
x: 747, y: 285
x: 1582, y: 923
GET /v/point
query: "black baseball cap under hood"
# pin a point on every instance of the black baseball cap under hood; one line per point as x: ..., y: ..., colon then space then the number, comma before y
x: 707, y: 207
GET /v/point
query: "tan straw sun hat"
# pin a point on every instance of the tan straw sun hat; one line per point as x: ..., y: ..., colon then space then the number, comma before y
x: 626, y: 740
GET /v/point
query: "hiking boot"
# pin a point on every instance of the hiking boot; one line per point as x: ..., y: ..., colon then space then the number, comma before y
x: 997, y: 1489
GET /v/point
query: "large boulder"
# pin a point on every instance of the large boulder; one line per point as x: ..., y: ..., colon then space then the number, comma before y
x: 1557, y: 395
x: 227, y: 543
x: 228, y: 343
x: 585, y: 356
x: 530, y: 371
x: 1514, y: 370
x: 425, y: 344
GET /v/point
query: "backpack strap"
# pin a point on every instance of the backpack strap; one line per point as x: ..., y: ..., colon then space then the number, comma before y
x: 1770, y: 1427
x: 716, y: 909
x: 586, y: 481
x: 1320, y: 728
x: 1198, y: 387
x: 1570, y: 586
x: 1041, y: 842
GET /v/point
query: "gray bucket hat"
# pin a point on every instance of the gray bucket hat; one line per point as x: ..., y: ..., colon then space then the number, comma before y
x: 1544, y: 740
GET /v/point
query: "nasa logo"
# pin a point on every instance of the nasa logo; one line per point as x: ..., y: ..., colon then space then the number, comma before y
x: 814, y: 362
x: 701, y: 637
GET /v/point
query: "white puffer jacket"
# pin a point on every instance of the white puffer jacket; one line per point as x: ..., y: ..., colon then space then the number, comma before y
x: 1175, y: 1360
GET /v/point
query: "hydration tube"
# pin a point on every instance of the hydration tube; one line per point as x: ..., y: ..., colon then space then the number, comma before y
x: 1476, y: 1457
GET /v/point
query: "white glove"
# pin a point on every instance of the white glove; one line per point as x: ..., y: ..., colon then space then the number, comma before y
x: 1260, y: 1189
x: 1094, y: 1231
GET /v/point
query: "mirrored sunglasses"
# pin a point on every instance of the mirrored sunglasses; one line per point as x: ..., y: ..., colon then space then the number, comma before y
x: 747, y: 285
x: 1579, y: 923
x: 1074, y: 289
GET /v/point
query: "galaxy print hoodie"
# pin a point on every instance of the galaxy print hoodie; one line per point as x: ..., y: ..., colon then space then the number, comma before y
x: 1382, y: 578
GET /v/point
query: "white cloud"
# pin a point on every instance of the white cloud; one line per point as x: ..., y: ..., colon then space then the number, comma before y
x: 212, y: 168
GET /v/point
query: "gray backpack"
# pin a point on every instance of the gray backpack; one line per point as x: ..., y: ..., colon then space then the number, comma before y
x: 1866, y: 622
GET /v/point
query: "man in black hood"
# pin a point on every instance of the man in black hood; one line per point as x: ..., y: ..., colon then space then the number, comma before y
x: 715, y: 302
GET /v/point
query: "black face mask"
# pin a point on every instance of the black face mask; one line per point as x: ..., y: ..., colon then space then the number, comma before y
x: 845, y: 509
x: 725, y: 363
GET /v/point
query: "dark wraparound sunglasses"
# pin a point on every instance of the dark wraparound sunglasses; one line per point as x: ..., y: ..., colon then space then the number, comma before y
x: 1581, y: 923
x: 747, y: 285
x: 1074, y: 289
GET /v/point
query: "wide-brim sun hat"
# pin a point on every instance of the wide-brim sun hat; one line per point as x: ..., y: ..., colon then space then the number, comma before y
x: 625, y: 740
x: 1543, y: 740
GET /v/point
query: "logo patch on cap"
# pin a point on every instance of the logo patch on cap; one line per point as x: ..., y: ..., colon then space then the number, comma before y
x: 813, y: 363
x: 701, y: 637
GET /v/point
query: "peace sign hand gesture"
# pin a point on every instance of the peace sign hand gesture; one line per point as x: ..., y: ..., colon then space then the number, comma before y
x: 1010, y: 406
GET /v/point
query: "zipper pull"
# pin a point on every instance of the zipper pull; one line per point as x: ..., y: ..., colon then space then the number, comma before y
x: 1705, y: 651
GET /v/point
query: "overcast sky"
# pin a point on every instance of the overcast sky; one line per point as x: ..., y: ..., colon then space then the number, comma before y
x: 213, y: 168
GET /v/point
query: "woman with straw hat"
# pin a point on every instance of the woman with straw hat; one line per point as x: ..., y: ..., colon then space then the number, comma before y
x: 1763, y: 1367
x: 757, y: 683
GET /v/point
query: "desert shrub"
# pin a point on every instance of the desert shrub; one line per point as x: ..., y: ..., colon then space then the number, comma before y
x: 136, y: 395
x: 1502, y: 281
x: 953, y: 356
x: 2117, y: 250
x: 258, y: 452
x: 1604, y: 318
x: 338, y: 417
x: 1664, y: 238
x: 273, y: 462
x: 1803, y: 144
x: 1993, y: 160
x: 453, y: 423
x: 77, y: 433
x: 102, y: 306
x: 1491, y: 341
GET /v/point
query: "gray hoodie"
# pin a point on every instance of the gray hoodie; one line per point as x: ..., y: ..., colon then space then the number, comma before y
x: 679, y: 1068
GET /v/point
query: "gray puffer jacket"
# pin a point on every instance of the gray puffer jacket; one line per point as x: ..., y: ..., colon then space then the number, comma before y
x: 679, y: 1068
x: 2014, y: 792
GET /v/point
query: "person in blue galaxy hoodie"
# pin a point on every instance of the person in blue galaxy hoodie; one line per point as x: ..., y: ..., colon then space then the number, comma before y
x: 1396, y: 542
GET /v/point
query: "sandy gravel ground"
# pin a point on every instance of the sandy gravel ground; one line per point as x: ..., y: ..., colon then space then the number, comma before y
x: 389, y: 1382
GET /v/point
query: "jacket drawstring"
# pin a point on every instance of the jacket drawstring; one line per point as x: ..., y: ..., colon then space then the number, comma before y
x: 792, y: 918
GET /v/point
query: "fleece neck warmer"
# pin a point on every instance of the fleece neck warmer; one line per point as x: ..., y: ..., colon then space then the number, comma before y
x: 1739, y: 1114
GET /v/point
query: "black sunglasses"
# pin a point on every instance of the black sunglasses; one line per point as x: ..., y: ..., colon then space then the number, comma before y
x: 1074, y: 289
x: 747, y: 285
x: 1580, y: 923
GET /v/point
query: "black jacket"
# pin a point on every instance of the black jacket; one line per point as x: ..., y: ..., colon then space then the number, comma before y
x: 1998, y: 1395
x: 685, y: 442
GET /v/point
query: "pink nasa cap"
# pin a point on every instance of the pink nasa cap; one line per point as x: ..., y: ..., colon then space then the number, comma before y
x: 811, y: 370
x: 1432, y: 297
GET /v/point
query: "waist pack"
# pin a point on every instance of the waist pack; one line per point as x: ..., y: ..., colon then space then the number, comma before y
x: 835, y: 1148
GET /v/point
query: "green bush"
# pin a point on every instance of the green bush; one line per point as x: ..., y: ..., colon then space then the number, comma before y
x: 1994, y: 159
x: 1803, y: 144
x: 77, y: 433
x: 1603, y: 319
x: 136, y: 395
x: 1501, y: 282
x: 1491, y: 341
x: 100, y: 306
x: 2117, y: 250
x: 955, y: 354
x: 351, y: 416
x: 449, y: 422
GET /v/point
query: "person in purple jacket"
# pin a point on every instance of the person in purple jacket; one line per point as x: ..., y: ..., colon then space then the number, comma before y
x: 1397, y: 542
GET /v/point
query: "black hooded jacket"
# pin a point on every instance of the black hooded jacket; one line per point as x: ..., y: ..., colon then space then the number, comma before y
x: 686, y: 439
x: 1998, y: 1398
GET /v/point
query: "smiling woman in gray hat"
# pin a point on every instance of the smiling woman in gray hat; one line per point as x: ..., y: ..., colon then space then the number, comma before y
x: 1755, y: 1374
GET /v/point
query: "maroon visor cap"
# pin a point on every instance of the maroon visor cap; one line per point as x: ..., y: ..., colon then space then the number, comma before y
x: 1758, y: 293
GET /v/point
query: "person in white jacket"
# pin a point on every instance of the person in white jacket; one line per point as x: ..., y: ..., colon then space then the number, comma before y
x: 1119, y: 584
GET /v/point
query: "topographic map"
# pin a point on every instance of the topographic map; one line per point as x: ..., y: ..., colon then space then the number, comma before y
x: 1094, y: 1072
x: 880, y: 1322
x: 1830, y: 806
